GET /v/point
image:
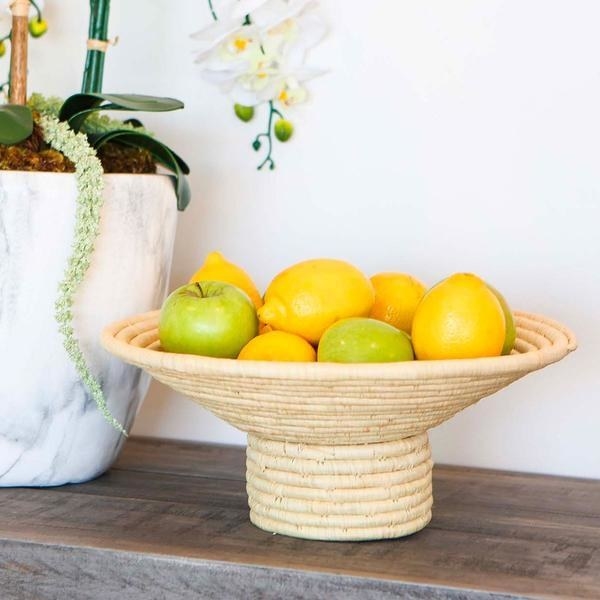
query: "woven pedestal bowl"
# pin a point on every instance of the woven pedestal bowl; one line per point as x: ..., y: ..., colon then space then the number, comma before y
x: 338, y: 451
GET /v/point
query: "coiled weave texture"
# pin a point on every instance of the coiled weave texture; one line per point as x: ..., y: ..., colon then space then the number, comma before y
x: 358, y: 492
x: 332, y: 404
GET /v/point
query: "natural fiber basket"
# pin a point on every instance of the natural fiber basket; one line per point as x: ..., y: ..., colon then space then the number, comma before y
x: 338, y: 451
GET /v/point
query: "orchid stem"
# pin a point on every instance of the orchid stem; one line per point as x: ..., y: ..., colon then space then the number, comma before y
x: 37, y: 10
x: 268, y: 134
x: 212, y: 11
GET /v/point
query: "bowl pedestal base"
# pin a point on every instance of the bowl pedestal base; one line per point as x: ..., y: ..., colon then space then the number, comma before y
x: 340, y: 492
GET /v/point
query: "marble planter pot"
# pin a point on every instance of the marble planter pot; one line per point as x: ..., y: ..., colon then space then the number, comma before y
x: 51, y: 431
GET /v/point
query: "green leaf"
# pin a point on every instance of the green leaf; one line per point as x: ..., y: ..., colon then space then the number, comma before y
x: 133, y: 122
x: 160, y: 152
x: 78, y: 107
x: 16, y: 123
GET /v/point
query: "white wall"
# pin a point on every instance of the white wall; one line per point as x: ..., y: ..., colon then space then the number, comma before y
x: 448, y: 136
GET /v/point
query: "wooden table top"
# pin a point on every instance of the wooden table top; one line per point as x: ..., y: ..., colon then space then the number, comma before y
x: 170, y: 521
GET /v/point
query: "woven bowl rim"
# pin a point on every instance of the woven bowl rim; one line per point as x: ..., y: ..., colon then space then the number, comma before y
x: 122, y: 339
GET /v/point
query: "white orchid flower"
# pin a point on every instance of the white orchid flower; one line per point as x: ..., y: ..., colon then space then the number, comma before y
x: 212, y: 35
x: 264, y: 60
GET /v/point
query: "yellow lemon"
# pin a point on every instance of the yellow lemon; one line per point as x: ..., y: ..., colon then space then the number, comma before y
x: 280, y: 346
x: 459, y: 317
x: 309, y: 296
x: 217, y: 268
x: 396, y: 298
x: 263, y: 328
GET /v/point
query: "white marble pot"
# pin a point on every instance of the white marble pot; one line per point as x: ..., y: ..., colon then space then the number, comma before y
x: 51, y: 431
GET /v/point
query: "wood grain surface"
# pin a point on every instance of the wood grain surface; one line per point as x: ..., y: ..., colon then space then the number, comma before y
x: 170, y: 520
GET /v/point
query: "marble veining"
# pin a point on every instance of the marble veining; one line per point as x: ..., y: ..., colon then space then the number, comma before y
x: 50, y: 429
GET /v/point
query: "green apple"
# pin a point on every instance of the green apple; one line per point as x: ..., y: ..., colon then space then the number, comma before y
x: 363, y: 340
x: 210, y: 318
x: 511, y: 330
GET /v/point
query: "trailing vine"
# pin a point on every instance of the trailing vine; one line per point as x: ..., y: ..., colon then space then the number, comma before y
x: 88, y: 175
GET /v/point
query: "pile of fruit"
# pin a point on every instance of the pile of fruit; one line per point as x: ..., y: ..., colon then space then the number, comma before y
x: 327, y: 310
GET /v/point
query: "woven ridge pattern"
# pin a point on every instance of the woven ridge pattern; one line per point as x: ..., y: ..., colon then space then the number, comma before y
x: 356, y: 492
x: 321, y: 403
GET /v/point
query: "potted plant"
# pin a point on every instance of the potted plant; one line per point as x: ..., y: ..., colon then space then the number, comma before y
x: 86, y: 236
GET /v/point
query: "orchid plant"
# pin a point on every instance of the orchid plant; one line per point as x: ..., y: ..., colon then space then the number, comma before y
x: 17, y: 118
x: 74, y: 129
x: 255, y: 51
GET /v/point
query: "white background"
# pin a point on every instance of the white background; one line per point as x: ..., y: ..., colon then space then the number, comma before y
x: 447, y: 136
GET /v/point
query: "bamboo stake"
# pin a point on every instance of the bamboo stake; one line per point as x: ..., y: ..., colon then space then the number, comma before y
x: 18, y: 52
x: 97, y: 44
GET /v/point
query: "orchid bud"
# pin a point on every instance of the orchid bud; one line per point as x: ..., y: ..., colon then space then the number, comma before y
x: 37, y: 27
x: 283, y: 130
x: 243, y: 113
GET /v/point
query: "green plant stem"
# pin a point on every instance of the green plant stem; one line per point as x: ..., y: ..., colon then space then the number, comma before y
x: 269, y: 135
x: 37, y: 9
x: 98, y: 30
x: 212, y: 11
x: 6, y: 86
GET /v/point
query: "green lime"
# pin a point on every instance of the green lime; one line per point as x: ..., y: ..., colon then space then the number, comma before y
x: 243, y: 113
x: 283, y: 130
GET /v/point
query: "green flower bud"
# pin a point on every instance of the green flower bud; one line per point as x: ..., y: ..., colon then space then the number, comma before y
x: 283, y: 130
x: 243, y: 113
x: 256, y: 145
x: 37, y: 27
x: 2, y: 48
